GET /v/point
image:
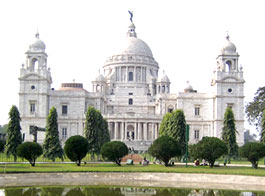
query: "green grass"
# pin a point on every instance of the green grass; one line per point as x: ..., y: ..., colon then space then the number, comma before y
x: 22, y: 168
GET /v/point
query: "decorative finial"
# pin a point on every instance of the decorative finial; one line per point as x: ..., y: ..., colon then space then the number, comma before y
x: 73, y: 80
x: 37, y: 35
x: 131, y: 16
x: 188, y: 82
x: 99, y: 71
x: 164, y: 72
x: 227, y: 36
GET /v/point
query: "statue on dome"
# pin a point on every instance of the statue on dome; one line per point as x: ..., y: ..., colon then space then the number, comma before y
x: 131, y: 15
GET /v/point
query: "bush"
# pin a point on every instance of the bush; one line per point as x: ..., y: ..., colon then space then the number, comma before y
x: 114, y: 151
x: 253, y: 151
x: 76, y: 148
x: 29, y: 151
x: 2, y: 145
x: 164, y: 148
x: 209, y: 149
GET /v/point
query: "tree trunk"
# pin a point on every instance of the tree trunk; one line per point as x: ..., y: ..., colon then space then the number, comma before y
x: 118, y: 162
x: 211, y: 164
x: 255, y: 165
x: 78, y: 162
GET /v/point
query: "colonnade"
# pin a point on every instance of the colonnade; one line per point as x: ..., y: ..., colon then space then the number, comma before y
x: 133, y: 131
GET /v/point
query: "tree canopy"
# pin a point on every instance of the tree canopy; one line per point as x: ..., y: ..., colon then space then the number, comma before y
x: 229, y: 133
x: 14, y: 137
x: 164, y: 148
x: 76, y: 148
x: 174, y: 125
x: 114, y: 151
x: 253, y: 151
x: 96, y: 130
x: 262, y: 138
x: 209, y: 149
x: 51, y: 146
x: 29, y: 151
x: 255, y: 108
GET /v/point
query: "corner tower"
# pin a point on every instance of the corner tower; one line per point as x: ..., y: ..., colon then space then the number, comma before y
x: 35, y: 84
x: 228, y: 89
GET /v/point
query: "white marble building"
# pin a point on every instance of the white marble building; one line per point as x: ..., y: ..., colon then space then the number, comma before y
x: 130, y: 96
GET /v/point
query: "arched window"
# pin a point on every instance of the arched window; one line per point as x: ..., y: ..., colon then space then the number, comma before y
x: 130, y: 76
x: 34, y: 63
x: 228, y: 66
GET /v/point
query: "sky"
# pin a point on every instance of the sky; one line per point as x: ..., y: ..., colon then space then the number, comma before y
x: 185, y: 38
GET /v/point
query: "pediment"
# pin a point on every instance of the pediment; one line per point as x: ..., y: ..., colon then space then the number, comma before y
x: 230, y: 79
x: 32, y: 76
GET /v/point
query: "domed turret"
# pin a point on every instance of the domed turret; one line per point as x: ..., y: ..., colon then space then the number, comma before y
x: 189, y: 88
x: 229, y: 47
x: 100, y: 78
x: 38, y: 45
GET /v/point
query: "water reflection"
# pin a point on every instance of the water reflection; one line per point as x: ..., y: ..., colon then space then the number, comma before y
x: 118, y: 191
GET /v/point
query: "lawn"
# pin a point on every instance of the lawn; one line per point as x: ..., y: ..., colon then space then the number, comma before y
x: 104, y: 167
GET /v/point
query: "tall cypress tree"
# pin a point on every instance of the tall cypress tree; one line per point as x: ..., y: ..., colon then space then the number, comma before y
x: 262, y: 138
x: 14, y: 137
x: 174, y: 125
x: 51, y: 146
x: 96, y: 130
x: 229, y: 133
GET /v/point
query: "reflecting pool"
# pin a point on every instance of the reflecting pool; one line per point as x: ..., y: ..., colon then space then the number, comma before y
x: 118, y: 191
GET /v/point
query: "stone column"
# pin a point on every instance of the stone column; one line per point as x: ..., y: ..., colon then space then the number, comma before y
x: 156, y: 131
x: 125, y: 131
x: 139, y: 131
x: 135, y: 131
x: 120, y: 79
x: 116, y: 131
x: 122, y: 131
x: 145, y: 131
x: 134, y: 74
x: 126, y: 79
x: 141, y: 77
x: 153, y: 131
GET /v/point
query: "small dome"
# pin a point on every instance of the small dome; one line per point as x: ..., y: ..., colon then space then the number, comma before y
x: 188, y: 88
x: 38, y: 44
x: 229, y: 47
x: 164, y: 78
x: 100, y: 78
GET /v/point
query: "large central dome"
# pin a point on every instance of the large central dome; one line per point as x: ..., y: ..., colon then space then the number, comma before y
x: 136, y: 46
x: 132, y: 50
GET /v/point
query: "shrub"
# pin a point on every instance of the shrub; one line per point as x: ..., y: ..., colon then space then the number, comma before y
x: 164, y: 148
x: 76, y: 148
x: 253, y: 151
x: 29, y: 151
x: 209, y: 149
x: 114, y: 151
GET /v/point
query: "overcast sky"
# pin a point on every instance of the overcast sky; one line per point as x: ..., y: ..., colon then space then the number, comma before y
x: 184, y: 36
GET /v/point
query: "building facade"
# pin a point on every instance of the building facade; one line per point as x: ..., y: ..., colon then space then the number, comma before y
x: 130, y: 96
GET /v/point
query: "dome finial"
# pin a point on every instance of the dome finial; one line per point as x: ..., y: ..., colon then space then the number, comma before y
x: 131, y: 16
x: 131, y: 29
x: 37, y: 35
x: 227, y: 36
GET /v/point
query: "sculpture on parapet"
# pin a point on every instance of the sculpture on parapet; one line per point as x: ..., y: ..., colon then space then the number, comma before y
x: 131, y: 15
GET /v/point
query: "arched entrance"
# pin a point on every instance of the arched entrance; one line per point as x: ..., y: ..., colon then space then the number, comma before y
x: 130, y: 133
